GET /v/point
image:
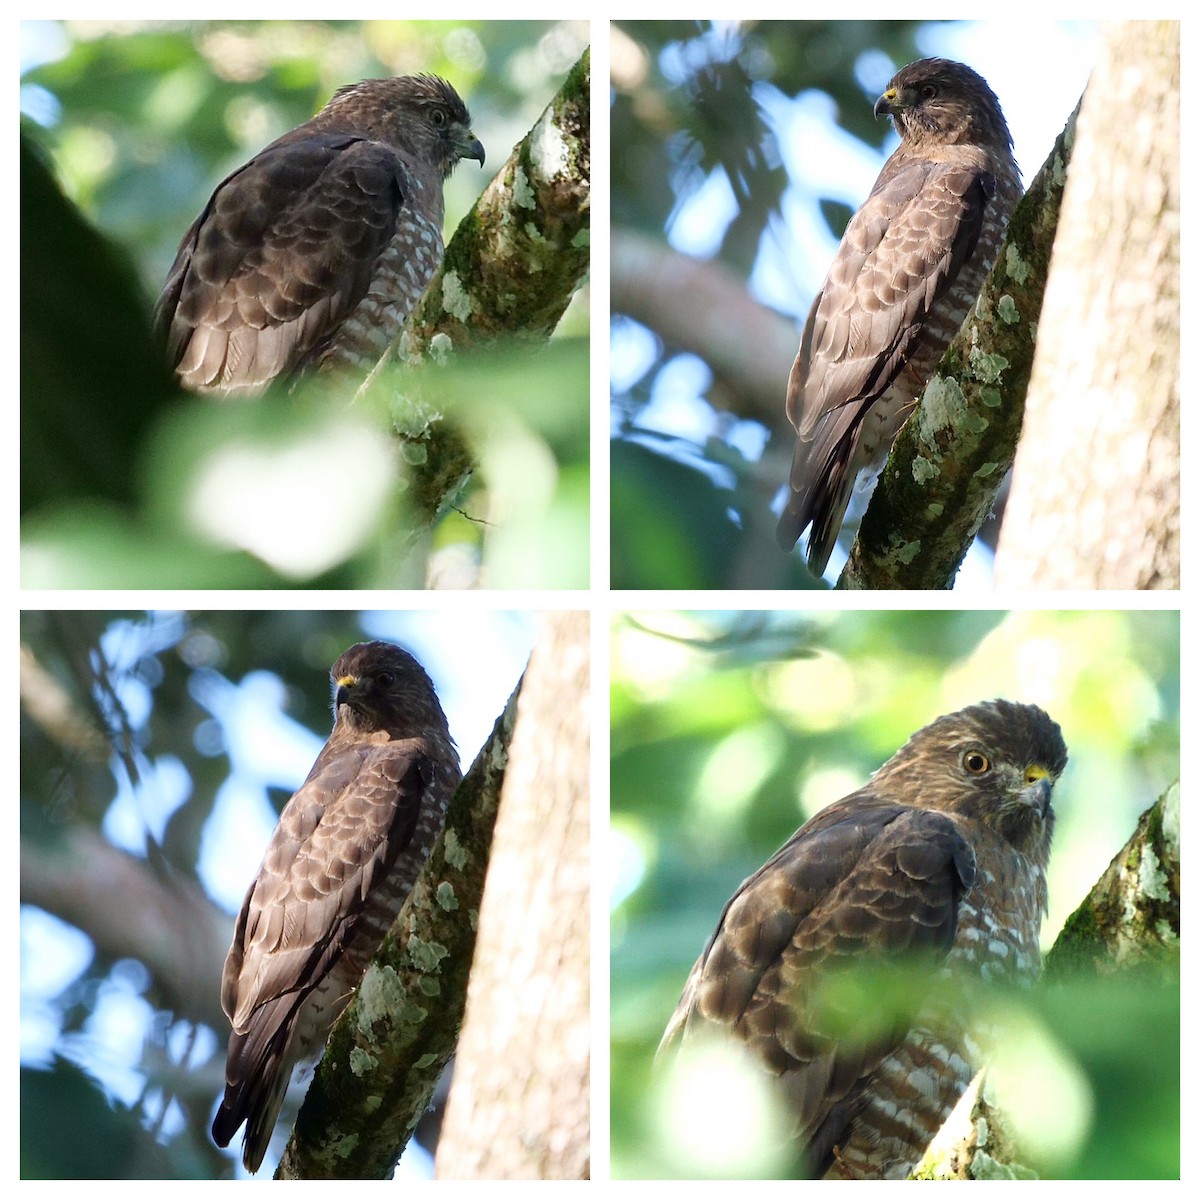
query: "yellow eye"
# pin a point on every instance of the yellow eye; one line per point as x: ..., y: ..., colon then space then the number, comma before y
x: 976, y: 762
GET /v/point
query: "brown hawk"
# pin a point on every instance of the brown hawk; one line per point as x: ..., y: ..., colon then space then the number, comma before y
x: 939, y: 860
x: 910, y: 265
x: 346, y: 852
x: 318, y: 248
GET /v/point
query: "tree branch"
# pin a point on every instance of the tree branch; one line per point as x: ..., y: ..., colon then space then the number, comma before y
x: 950, y: 458
x: 129, y: 911
x: 508, y: 274
x: 1132, y: 913
x: 704, y: 308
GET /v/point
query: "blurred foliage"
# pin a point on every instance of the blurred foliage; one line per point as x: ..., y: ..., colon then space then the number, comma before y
x: 693, y: 541
x: 88, y: 387
x: 731, y: 729
x: 144, y: 678
x: 137, y: 122
x: 683, y: 107
x: 103, y: 1141
x: 1128, y: 1052
x: 685, y: 114
x: 1084, y: 1099
x: 187, y: 703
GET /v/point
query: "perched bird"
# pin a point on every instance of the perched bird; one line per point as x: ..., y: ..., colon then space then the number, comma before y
x: 346, y: 852
x: 910, y: 266
x: 317, y: 249
x: 937, y: 865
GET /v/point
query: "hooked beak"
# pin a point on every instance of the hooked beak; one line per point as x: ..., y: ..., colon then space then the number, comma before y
x: 1038, y: 791
x: 472, y: 147
x: 889, y: 104
x: 346, y: 686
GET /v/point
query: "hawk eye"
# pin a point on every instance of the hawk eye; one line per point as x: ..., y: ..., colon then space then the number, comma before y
x: 385, y: 679
x: 976, y: 762
x: 928, y: 92
x: 438, y: 117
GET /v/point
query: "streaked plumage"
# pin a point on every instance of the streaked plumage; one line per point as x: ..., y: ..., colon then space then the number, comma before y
x: 938, y: 863
x: 346, y: 852
x: 316, y: 250
x: 909, y: 267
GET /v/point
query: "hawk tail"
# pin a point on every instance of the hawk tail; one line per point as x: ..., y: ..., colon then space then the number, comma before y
x: 254, y: 1093
x: 821, y: 501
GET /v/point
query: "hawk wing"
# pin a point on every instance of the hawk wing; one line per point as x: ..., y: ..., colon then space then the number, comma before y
x: 336, y: 841
x: 282, y: 253
x: 900, y: 253
x: 858, y: 883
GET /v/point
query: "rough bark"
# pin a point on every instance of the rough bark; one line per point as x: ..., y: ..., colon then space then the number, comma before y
x: 519, y: 1104
x: 974, y: 1143
x: 1131, y: 916
x: 389, y: 1047
x: 1095, y: 498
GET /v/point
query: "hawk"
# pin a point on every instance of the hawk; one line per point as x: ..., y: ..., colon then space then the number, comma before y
x: 939, y: 861
x: 910, y: 266
x: 318, y: 248
x: 346, y: 852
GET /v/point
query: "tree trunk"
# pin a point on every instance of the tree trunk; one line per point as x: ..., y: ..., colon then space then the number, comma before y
x: 519, y: 1103
x: 1095, y: 497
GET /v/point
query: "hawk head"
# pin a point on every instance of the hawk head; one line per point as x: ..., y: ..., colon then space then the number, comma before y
x: 938, y: 101
x: 421, y: 115
x: 996, y: 762
x: 378, y: 686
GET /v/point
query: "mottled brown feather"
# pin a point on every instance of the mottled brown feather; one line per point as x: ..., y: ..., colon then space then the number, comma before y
x: 907, y: 870
x: 346, y: 851
x: 910, y: 264
x: 341, y: 216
